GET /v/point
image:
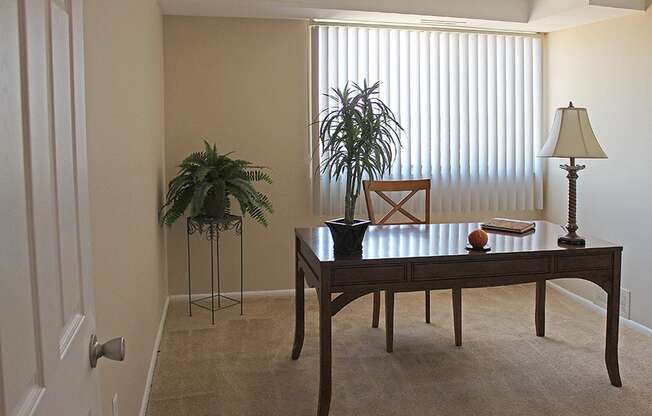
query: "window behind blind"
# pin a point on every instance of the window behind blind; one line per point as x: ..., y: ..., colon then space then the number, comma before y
x: 470, y: 104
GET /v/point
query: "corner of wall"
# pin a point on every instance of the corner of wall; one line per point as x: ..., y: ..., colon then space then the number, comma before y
x: 125, y: 124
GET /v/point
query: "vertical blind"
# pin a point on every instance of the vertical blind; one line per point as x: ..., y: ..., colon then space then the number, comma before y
x: 470, y: 104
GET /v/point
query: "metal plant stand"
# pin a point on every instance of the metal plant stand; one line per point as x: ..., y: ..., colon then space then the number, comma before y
x: 211, y: 229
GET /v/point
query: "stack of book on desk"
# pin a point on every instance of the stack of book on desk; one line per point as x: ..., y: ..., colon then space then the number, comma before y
x: 508, y: 226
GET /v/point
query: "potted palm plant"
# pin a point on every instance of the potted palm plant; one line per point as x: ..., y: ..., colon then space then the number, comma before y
x: 359, y: 136
x: 207, y: 182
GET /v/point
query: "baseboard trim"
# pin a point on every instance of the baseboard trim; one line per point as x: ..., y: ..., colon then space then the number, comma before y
x: 152, y: 364
x: 640, y: 328
x: 573, y: 296
x: 184, y: 296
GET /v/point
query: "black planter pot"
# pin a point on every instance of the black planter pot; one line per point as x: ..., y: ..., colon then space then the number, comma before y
x: 213, y: 207
x: 347, y: 238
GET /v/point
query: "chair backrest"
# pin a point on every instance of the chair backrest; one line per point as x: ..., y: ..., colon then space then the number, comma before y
x: 381, y: 187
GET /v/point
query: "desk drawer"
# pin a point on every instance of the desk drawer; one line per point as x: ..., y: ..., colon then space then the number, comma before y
x: 372, y: 274
x: 523, y: 266
x: 584, y: 262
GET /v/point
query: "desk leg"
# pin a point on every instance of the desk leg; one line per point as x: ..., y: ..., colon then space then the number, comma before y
x: 540, y: 309
x: 457, y: 315
x: 613, y: 317
x: 389, y: 320
x: 299, y: 312
x: 325, y: 345
x: 427, y: 306
x: 376, y: 310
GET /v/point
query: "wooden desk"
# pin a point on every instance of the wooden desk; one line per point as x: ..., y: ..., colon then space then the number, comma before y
x: 405, y: 258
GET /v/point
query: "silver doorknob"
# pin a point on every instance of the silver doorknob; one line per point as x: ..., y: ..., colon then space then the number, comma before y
x: 113, y: 350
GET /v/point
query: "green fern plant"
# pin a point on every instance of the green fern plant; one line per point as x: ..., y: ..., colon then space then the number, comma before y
x: 207, y: 182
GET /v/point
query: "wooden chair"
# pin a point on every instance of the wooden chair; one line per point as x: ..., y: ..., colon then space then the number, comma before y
x: 413, y: 187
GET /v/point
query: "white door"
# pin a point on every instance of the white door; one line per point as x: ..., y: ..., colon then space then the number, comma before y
x: 46, y: 294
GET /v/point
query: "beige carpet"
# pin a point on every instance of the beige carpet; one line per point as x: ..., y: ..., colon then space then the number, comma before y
x: 242, y: 366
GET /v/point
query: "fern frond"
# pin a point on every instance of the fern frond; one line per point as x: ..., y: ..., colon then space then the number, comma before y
x: 177, y: 206
x: 259, y: 175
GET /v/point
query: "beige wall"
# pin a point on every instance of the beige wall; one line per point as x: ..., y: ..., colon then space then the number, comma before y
x: 243, y: 83
x: 607, y: 67
x: 124, y: 87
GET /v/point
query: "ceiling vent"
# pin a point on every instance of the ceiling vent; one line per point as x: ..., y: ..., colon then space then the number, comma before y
x: 434, y: 22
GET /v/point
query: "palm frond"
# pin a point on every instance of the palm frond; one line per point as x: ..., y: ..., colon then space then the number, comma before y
x: 359, y: 136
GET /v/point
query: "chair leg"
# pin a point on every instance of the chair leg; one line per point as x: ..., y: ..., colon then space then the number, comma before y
x: 389, y: 320
x: 457, y: 315
x: 376, y: 312
x: 427, y: 306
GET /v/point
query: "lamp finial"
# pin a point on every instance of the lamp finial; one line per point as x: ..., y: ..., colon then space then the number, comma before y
x: 570, y: 104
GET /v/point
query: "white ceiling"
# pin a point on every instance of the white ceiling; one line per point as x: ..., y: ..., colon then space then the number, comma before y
x: 519, y: 15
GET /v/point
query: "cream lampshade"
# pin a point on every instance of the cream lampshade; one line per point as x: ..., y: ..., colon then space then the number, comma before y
x: 571, y: 136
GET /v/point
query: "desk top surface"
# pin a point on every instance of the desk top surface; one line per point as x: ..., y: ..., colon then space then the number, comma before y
x: 432, y: 240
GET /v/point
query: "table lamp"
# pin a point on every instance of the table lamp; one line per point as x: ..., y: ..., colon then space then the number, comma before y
x: 571, y: 136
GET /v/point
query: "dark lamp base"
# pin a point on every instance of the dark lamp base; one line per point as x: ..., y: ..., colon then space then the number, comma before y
x: 571, y: 239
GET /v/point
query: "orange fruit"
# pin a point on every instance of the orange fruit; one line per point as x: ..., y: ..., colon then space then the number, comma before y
x: 478, y: 238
